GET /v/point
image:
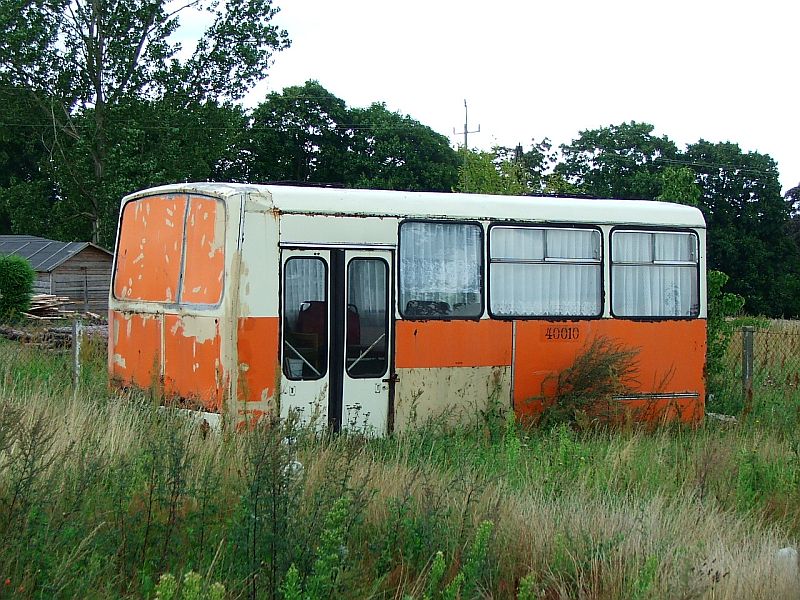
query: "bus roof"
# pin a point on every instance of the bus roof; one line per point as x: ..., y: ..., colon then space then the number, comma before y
x: 383, y: 203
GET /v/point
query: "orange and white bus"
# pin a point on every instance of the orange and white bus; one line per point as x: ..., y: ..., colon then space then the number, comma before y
x: 379, y: 308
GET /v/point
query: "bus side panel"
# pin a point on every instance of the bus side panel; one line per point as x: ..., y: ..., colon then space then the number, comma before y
x: 257, y: 345
x: 135, y: 349
x: 450, y: 368
x: 193, y: 367
x: 670, y: 360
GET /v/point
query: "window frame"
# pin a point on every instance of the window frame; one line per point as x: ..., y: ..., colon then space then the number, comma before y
x: 481, y: 272
x: 282, y: 313
x: 545, y: 226
x: 654, y: 230
x: 387, y: 318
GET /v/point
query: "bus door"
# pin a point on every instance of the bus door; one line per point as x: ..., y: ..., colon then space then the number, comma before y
x: 337, y: 337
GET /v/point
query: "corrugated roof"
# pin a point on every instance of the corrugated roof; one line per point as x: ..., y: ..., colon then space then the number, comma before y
x: 43, y: 254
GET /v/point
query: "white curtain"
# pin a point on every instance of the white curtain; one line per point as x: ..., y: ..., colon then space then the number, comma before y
x: 367, y: 287
x: 544, y: 272
x: 654, y: 274
x: 304, y: 281
x: 440, y: 269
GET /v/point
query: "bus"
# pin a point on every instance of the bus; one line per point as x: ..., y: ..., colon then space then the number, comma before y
x: 381, y: 309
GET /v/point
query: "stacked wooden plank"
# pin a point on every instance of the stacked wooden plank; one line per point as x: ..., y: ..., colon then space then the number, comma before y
x: 49, y: 307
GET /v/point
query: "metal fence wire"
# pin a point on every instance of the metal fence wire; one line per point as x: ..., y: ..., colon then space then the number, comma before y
x: 765, y: 358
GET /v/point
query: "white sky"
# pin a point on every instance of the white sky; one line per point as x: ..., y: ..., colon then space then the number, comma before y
x: 712, y: 69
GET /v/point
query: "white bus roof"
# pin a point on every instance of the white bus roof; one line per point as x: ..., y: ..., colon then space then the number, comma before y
x: 382, y: 203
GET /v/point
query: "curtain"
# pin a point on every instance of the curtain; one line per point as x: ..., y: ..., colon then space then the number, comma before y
x: 654, y: 274
x: 440, y: 269
x: 304, y: 281
x: 544, y: 272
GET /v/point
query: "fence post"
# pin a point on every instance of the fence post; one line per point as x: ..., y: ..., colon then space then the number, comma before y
x: 747, y: 365
x: 77, y: 340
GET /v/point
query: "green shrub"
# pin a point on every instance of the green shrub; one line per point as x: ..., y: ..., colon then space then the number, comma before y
x: 721, y: 306
x: 16, y: 286
x: 605, y: 368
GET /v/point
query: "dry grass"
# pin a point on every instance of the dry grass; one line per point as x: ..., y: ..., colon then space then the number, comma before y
x: 626, y: 514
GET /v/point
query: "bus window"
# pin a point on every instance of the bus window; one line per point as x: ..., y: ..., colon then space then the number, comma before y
x: 441, y: 268
x: 544, y: 272
x: 654, y: 274
x: 305, y: 319
x: 367, y: 317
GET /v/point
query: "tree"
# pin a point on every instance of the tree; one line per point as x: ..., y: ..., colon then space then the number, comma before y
x: 297, y: 135
x: 84, y: 63
x: 747, y: 222
x: 395, y: 152
x: 678, y: 185
x: 307, y: 134
x: 619, y: 161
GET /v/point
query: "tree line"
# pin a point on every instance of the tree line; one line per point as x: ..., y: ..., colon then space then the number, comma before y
x: 98, y: 100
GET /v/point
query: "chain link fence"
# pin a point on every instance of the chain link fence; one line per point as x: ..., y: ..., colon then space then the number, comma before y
x: 763, y: 369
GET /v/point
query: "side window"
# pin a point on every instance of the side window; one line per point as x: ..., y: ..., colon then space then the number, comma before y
x: 441, y: 267
x: 305, y: 318
x: 544, y: 272
x: 654, y: 274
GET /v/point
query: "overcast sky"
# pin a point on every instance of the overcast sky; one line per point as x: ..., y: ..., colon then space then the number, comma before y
x: 711, y: 69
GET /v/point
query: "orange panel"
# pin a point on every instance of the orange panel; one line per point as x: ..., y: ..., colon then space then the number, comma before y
x: 192, y: 365
x: 205, y: 252
x: 671, y: 359
x: 425, y: 344
x: 135, y: 349
x: 258, y: 357
x: 150, y: 247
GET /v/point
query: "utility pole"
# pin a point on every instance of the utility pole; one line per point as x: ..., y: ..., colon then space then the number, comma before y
x: 466, y: 126
x: 466, y: 147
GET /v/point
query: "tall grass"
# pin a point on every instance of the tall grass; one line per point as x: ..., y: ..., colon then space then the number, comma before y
x: 100, y: 496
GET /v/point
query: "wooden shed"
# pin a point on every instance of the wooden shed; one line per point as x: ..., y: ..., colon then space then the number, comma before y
x: 78, y: 270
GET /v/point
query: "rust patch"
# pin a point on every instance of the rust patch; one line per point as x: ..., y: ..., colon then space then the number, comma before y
x: 192, y: 362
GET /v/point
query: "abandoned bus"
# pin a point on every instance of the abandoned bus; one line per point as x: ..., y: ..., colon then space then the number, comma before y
x: 376, y: 308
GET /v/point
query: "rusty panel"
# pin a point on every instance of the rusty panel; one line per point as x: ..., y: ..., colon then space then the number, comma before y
x: 204, y: 261
x: 671, y: 360
x: 429, y: 344
x: 257, y: 347
x: 193, y: 368
x: 457, y: 394
x: 135, y: 349
x: 150, y: 247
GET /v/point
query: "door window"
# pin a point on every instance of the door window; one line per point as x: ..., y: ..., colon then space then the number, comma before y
x: 305, y: 318
x: 367, y: 317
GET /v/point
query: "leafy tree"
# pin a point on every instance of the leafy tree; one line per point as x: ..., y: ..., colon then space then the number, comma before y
x: 297, y: 135
x: 307, y: 134
x: 678, y: 185
x: 85, y: 63
x: 482, y: 173
x: 747, y: 222
x: 395, y: 152
x: 619, y: 161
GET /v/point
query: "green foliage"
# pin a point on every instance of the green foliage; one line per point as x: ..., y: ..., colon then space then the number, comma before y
x: 678, y: 185
x: 16, y: 286
x: 603, y: 369
x: 193, y: 588
x: 104, y: 61
x: 89, y: 511
x: 619, y: 161
x: 721, y: 307
x: 305, y: 133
